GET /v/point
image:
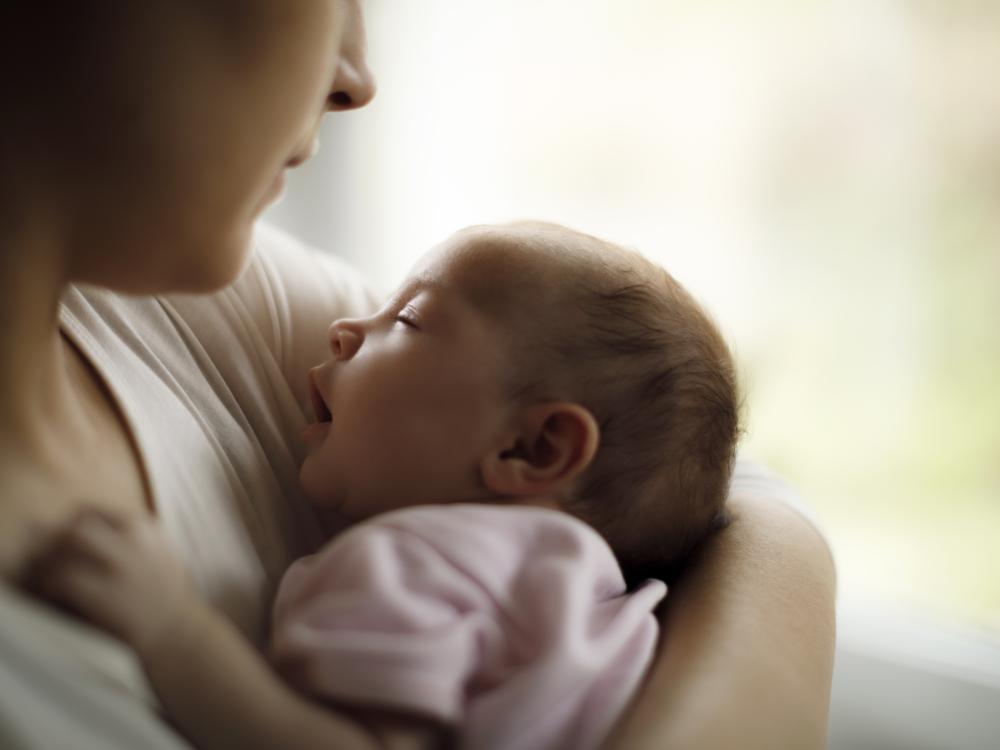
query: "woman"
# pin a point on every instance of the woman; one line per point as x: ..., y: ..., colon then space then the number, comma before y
x: 140, y: 142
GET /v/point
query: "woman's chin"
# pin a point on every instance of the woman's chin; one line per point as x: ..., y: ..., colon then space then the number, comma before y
x: 208, y: 266
x: 222, y: 264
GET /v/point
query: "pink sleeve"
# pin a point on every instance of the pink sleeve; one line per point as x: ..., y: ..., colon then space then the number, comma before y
x: 381, y: 617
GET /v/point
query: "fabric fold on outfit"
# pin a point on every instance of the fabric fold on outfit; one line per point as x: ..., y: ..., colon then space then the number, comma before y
x: 510, y: 623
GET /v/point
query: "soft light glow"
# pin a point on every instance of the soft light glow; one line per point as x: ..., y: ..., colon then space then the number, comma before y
x: 823, y: 175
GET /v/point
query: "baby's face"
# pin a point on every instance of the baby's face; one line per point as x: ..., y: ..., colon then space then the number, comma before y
x: 413, y: 397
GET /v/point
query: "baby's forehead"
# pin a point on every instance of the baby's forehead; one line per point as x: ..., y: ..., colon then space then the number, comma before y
x: 494, y: 253
x: 510, y: 268
x: 487, y: 265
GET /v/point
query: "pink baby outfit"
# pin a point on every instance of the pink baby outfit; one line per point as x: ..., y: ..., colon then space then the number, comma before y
x: 511, y: 624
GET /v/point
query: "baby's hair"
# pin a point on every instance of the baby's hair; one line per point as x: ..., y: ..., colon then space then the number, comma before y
x: 640, y: 353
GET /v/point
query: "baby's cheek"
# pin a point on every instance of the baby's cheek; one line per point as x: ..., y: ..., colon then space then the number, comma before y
x: 316, y: 482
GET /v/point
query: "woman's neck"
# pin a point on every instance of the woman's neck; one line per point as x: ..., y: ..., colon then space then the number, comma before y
x: 34, y: 387
x: 36, y: 381
x: 62, y: 442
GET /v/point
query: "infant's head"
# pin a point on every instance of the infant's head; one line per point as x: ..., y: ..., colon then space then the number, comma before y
x: 531, y: 363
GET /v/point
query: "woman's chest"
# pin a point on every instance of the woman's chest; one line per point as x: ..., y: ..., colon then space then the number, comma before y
x: 213, y: 432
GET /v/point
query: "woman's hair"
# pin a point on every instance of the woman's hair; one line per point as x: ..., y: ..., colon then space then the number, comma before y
x: 637, y: 350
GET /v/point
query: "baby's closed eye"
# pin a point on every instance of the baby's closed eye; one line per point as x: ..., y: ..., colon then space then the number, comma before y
x: 408, y: 317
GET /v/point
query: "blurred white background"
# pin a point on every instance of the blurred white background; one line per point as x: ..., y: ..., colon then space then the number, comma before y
x: 825, y: 176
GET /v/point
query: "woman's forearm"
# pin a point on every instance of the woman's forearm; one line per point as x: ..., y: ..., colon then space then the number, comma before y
x: 746, y: 650
x: 221, y: 694
x: 119, y: 573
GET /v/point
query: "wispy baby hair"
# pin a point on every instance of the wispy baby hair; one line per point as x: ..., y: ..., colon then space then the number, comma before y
x: 638, y: 351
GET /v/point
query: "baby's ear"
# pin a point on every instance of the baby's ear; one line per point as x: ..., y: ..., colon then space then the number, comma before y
x: 550, y: 446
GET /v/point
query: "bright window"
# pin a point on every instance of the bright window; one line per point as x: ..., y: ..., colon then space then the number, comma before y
x: 825, y: 176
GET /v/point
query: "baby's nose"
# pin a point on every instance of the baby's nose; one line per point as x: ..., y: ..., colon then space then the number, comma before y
x: 346, y: 338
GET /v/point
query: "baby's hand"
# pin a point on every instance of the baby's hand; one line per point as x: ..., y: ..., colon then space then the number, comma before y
x: 119, y: 573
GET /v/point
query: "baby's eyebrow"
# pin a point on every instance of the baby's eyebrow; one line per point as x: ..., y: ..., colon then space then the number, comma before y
x: 405, y: 294
x: 421, y: 282
x: 414, y: 286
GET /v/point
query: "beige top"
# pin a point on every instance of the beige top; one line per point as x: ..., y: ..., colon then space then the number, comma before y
x: 213, y: 389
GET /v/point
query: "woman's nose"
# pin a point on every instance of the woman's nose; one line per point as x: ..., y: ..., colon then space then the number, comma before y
x: 354, y: 84
x: 346, y: 337
x: 354, y: 87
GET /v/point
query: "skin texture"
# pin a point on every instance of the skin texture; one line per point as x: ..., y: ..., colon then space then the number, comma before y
x: 115, y: 109
x: 423, y: 380
x: 415, y: 382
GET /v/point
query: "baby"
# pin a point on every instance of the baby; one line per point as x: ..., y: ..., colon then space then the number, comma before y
x: 536, y: 423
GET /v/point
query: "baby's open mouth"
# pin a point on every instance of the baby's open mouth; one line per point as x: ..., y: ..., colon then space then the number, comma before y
x: 319, y: 405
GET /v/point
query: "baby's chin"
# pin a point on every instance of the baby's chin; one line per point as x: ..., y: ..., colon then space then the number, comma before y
x: 333, y: 509
x: 331, y: 516
x: 315, y: 489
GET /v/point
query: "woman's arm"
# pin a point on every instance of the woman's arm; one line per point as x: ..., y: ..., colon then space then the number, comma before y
x: 118, y: 573
x: 746, y: 651
x: 222, y: 694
